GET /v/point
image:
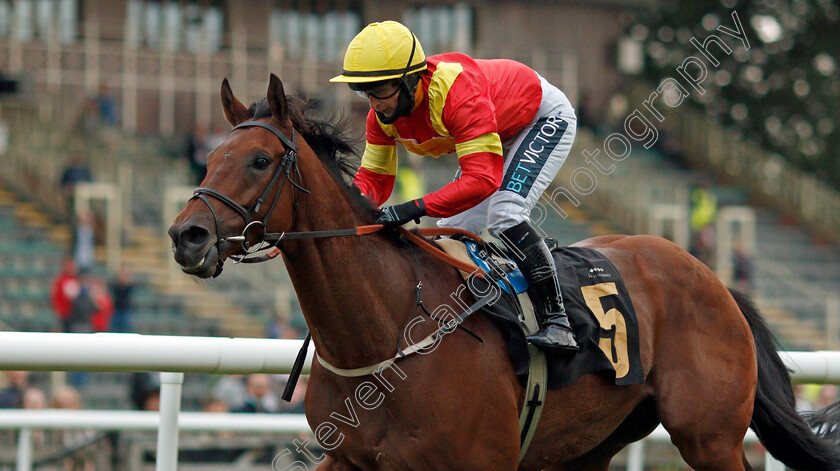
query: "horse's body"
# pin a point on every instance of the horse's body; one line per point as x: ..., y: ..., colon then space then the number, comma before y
x: 458, y: 406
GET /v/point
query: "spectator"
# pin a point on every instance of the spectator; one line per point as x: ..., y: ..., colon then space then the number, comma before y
x: 106, y: 106
x: 231, y: 390
x: 409, y: 183
x: 617, y: 110
x: 101, y: 318
x: 220, y: 133
x: 703, y: 206
x: 290, y: 332
x: 66, y: 397
x: 800, y: 393
x: 214, y: 404
x: 83, y: 305
x: 668, y: 144
x: 703, y: 216
x: 145, y: 391
x: 826, y: 396
x: 89, y: 121
x: 76, y: 171
x: 277, y: 327
x: 122, y: 289
x: 8, y: 85
x: 742, y: 272
x: 11, y: 396
x: 295, y: 405
x: 84, y: 240
x: 84, y: 310
x: 199, y: 144
x: 196, y: 153
x: 64, y: 290
x: 584, y: 110
x: 33, y: 398
x: 260, y: 396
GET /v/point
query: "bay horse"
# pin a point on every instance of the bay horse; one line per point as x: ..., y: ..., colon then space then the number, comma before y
x: 710, y: 364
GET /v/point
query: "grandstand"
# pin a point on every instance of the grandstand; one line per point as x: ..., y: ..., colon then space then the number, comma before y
x: 757, y: 140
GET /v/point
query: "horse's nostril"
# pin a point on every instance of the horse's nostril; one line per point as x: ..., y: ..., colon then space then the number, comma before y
x: 194, y: 236
x: 173, y: 234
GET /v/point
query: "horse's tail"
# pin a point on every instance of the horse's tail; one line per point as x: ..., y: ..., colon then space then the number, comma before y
x: 826, y: 422
x: 784, y: 433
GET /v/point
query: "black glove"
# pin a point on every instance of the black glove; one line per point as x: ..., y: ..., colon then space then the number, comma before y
x: 399, y: 214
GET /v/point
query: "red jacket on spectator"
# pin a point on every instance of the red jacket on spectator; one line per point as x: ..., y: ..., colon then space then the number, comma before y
x: 101, y: 319
x: 65, y: 288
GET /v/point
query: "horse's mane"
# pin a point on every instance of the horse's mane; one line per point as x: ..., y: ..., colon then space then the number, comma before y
x: 329, y: 139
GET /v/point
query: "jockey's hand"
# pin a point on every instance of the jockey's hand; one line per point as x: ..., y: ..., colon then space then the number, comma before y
x: 399, y: 214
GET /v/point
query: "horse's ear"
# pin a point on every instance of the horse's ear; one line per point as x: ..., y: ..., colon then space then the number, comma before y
x: 277, y: 98
x: 235, y: 111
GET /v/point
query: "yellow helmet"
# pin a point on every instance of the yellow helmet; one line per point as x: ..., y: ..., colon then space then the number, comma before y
x: 382, y: 51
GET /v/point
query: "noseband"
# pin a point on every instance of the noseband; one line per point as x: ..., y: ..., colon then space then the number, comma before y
x: 287, y: 167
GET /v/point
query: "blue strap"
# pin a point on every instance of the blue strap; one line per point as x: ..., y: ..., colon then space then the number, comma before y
x: 515, y: 278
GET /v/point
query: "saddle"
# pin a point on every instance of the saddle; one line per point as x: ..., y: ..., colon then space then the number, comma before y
x: 599, y: 308
x: 597, y: 302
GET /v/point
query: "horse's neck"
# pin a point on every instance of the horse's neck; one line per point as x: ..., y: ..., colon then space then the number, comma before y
x: 355, y: 292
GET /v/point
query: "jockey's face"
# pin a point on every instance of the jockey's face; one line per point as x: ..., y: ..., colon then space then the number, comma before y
x: 384, y: 99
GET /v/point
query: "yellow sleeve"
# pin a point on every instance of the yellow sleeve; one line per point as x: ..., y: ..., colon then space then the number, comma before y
x: 380, y: 159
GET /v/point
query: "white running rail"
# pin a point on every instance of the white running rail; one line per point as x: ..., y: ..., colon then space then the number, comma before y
x: 174, y: 355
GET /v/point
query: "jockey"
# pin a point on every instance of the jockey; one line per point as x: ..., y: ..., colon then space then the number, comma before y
x: 511, y: 131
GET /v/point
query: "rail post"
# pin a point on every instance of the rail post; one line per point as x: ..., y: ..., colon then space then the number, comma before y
x: 170, y: 407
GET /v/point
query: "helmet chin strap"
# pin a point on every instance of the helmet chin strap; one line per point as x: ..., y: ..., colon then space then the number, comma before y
x: 404, y: 105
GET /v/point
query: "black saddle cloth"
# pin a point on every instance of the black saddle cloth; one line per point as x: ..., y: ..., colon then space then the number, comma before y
x: 585, y: 275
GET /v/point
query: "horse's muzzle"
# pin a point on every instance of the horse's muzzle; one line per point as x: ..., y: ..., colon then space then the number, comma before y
x: 193, y: 249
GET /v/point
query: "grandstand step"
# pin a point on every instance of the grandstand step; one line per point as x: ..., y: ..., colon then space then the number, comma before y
x: 232, y: 319
x: 144, y: 257
x: 60, y: 234
x: 6, y: 198
x: 180, y: 284
x: 244, y: 328
x: 794, y: 330
x: 146, y: 237
x: 231, y: 323
x: 600, y: 228
x: 30, y: 213
x: 576, y: 215
x: 211, y: 307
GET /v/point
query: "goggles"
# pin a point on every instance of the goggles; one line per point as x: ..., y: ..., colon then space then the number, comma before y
x: 369, y: 94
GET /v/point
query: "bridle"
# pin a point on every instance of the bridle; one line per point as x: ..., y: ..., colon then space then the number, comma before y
x: 268, y: 240
x: 287, y: 168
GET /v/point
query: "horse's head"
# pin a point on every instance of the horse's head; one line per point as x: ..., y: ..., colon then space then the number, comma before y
x: 252, y: 182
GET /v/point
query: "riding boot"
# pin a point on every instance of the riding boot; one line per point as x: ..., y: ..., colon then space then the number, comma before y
x: 532, y: 256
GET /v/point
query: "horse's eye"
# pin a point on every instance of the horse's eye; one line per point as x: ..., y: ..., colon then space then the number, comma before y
x: 262, y: 162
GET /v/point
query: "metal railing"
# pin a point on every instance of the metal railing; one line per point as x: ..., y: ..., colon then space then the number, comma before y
x: 28, y: 420
x: 137, y: 74
x: 174, y: 355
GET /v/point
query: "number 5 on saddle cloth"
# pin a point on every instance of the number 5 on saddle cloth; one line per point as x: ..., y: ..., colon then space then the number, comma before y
x: 599, y: 308
x: 597, y: 302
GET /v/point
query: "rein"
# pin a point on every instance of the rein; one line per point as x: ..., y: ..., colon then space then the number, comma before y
x: 268, y: 240
x: 287, y: 168
x: 440, y: 254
